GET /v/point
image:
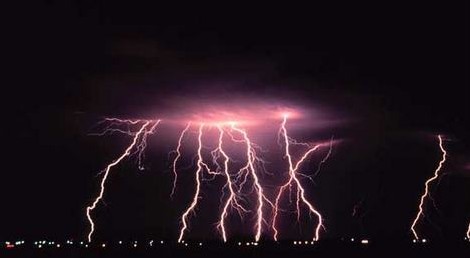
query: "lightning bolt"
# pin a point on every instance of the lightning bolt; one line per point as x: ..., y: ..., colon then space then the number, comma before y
x: 193, y: 204
x: 250, y: 168
x: 178, y: 155
x: 324, y: 160
x: 468, y: 232
x: 426, y: 188
x: 232, y: 199
x: 293, y: 179
x: 138, y: 143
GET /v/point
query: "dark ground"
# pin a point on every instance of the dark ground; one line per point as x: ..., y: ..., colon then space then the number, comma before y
x: 323, y: 249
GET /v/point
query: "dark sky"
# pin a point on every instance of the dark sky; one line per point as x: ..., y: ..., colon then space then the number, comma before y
x: 397, y: 72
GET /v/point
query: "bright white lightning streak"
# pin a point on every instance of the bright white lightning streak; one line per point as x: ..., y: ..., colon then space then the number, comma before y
x: 468, y: 232
x: 178, y: 155
x: 200, y: 165
x: 251, y: 157
x: 232, y: 199
x: 426, y: 188
x: 141, y: 133
x: 293, y: 177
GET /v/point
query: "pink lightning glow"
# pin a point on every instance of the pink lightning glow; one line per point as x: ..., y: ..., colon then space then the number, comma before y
x: 426, y: 188
x: 293, y: 178
x: 139, y: 143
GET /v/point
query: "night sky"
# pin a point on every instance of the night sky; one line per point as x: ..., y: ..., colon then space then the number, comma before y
x: 393, y: 75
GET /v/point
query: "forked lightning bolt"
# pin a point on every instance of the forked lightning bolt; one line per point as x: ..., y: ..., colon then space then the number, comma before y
x: 232, y: 198
x: 426, y: 189
x: 250, y: 168
x: 293, y: 179
x: 138, y: 143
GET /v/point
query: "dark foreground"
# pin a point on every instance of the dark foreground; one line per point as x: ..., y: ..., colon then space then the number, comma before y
x: 289, y: 250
